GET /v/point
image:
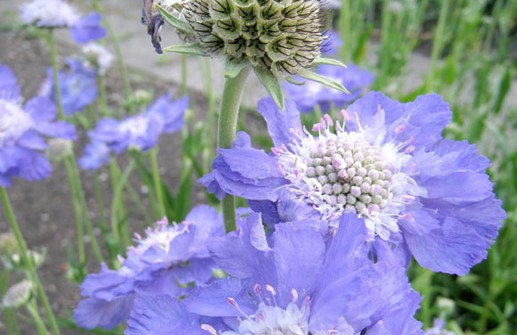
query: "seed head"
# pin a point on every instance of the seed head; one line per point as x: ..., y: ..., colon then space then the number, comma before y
x: 282, y: 36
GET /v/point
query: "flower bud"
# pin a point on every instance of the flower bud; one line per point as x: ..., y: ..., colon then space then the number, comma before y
x: 18, y: 294
x: 280, y: 36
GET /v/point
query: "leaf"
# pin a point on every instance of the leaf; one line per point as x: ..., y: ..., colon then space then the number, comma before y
x: 293, y: 81
x: 233, y: 69
x: 174, y: 21
x: 272, y: 85
x: 187, y: 48
x: 328, y: 61
x: 307, y: 74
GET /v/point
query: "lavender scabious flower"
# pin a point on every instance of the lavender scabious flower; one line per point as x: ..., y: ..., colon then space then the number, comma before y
x: 164, y: 261
x: 290, y: 283
x: 59, y: 14
x: 311, y: 94
x: 78, y: 86
x: 388, y: 163
x: 21, y: 130
x: 139, y: 132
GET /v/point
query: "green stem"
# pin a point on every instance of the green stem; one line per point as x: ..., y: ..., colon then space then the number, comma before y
x: 116, y: 46
x: 157, y: 182
x: 103, y: 105
x: 232, y: 94
x: 117, y: 203
x: 40, y: 325
x: 184, y: 74
x: 11, y: 324
x: 76, y: 204
x: 84, y: 208
x: 27, y: 260
x: 55, y: 72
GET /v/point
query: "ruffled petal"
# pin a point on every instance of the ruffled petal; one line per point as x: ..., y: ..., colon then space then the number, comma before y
x: 161, y: 315
x: 297, y: 251
x: 280, y: 123
x: 9, y: 89
x: 91, y: 313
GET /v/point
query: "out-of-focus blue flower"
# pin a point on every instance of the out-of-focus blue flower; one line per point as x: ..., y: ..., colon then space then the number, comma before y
x: 139, y: 131
x: 22, y: 130
x: 59, y: 14
x: 96, y: 154
x: 311, y: 94
x: 291, y: 283
x: 388, y: 163
x: 78, y: 85
x: 167, y: 259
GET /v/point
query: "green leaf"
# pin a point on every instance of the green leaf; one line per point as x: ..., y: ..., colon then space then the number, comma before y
x: 187, y: 48
x: 329, y: 61
x: 272, y: 85
x: 307, y: 74
x: 174, y: 21
x: 233, y: 69
x: 293, y: 81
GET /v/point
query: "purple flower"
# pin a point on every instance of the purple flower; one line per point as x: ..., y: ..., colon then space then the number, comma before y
x: 78, y: 85
x: 311, y: 94
x: 163, y: 262
x: 388, y: 163
x: 21, y: 130
x: 59, y: 14
x: 291, y: 283
x: 138, y: 131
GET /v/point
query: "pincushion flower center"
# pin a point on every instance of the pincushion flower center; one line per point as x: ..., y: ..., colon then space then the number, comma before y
x: 343, y: 173
x: 340, y: 171
x: 136, y: 127
x: 14, y: 122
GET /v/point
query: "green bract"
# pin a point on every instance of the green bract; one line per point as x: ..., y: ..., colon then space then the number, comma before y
x: 278, y: 38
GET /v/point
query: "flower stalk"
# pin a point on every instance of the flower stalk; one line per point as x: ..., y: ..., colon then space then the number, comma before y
x: 24, y: 254
x: 227, y: 127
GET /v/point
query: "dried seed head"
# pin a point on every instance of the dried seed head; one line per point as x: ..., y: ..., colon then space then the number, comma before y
x: 281, y: 36
x: 18, y: 295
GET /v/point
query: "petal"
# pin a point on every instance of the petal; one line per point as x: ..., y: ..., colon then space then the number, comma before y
x: 41, y: 109
x: 9, y: 89
x: 32, y: 140
x: 161, y: 315
x: 245, y: 253
x: 453, y: 249
x: 299, y: 255
x: 88, y: 29
x: 91, y: 313
x: 60, y: 129
x: 280, y: 124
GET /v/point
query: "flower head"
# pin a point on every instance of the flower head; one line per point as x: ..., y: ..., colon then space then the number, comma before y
x: 164, y: 261
x: 78, y: 85
x: 21, y: 130
x: 278, y: 39
x: 292, y: 284
x: 139, y: 131
x: 59, y: 14
x: 311, y: 94
x: 386, y: 162
x: 98, y: 57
